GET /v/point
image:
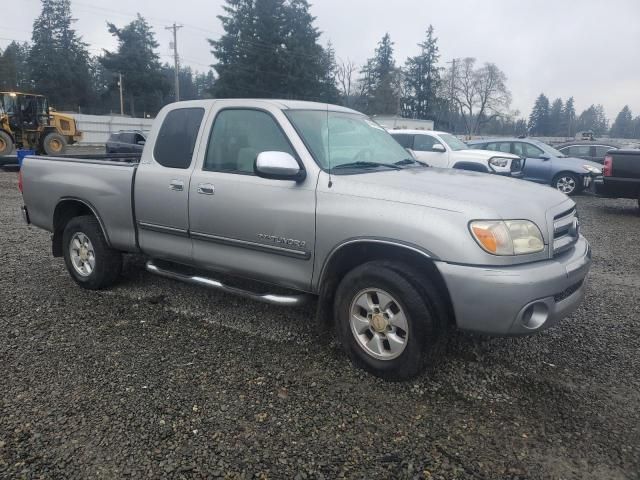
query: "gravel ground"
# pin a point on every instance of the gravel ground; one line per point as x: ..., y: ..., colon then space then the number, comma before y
x: 158, y: 379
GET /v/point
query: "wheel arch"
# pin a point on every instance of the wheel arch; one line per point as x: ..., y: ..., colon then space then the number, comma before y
x: 472, y: 166
x: 352, y: 253
x: 11, y: 136
x: 66, y: 209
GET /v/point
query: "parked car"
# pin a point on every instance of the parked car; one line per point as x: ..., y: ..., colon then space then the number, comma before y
x: 306, y: 199
x: 126, y: 141
x: 545, y: 164
x: 586, y: 150
x: 621, y: 175
x: 441, y: 149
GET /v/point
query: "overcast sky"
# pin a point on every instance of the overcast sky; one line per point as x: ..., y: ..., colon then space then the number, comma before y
x: 584, y: 48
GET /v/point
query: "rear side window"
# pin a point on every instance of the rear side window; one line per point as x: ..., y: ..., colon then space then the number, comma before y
x: 579, y: 151
x: 499, y: 147
x: 115, y: 137
x: 177, y: 137
x: 403, y: 139
x: 601, y: 150
x: 127, y: 137
x: 238, y: 136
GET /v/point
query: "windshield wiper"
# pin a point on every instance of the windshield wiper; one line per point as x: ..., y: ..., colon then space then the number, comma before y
x: 410, y: 161
x: 361, y: 164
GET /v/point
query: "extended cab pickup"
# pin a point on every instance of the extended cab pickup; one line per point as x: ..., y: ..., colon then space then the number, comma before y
x: 314, y: 200
x: 621, y: 175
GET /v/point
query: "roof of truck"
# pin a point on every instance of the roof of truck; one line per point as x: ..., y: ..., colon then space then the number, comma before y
x: 279, y: 103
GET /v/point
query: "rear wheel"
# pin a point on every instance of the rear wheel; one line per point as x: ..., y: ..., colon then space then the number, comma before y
x: 54, y: 144
x: 567, y: 183
x: 88, y: 257
x: 388, y: 319
x: 6, y: 144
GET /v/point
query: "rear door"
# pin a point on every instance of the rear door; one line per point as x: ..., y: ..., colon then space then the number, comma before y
x: 256, y: 227
x: 162, y: 185
x: 423, y: 150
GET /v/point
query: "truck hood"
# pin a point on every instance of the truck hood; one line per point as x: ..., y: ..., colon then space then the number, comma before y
x: 476, y: 195
x: 482, y: 154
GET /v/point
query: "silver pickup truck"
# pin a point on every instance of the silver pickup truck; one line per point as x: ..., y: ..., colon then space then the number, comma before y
x: 303, y: 200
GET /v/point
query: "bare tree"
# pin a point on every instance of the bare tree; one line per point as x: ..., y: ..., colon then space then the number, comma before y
x: 345, y: 72
x: 481, y: 94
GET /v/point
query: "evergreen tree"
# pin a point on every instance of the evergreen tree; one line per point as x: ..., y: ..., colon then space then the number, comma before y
x: 539, y: 118
x: 14, y: 74
x: 568, y: 126
x: 145, y: 86
x: 555, y: 117
x: 623, y: 125
x: 422, y: 79
x: 270, y: 49
x: 58, y: 58
x: 380, y: 80
x: 593, y: 119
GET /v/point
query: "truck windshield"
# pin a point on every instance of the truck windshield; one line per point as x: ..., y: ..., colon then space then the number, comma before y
x: 347, y: 141
x: 454, y: 143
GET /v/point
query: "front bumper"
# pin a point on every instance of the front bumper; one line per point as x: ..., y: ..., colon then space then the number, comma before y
x: 521, y: 299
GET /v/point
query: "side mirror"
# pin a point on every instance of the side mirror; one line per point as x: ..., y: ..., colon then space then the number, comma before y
x: 438, y: 147
x: 544, y: 157
x: 141, y: 142
x: 278, y: 166
x: 413, y: 155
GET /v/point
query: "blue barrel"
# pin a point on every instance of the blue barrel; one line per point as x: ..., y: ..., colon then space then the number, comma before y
x: 24, y: 153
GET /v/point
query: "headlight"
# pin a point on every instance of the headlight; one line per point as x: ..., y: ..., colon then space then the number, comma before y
x: 499, y: 164
x: 508, y: 237
x: 591, y: 169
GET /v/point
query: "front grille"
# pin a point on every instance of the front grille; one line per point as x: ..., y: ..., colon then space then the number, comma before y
x: 567, y: 292
x: 65, y: 125
x: 566, y: 231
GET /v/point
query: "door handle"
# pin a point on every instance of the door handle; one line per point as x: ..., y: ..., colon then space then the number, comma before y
x: 176, y: 185
x: 206, y: 189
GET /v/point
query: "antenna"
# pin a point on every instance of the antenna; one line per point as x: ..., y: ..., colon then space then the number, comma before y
x: 329, y: 146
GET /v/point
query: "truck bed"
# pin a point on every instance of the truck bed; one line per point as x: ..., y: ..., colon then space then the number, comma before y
x: 104, y: 183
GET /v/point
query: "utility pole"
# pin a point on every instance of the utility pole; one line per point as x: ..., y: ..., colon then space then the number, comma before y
x: 121, y: 96
x: 176, y: 59
x: 451, y: 92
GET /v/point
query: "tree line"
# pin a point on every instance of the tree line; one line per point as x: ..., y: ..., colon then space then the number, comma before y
x: 559, y: 119
x: 271, y: 48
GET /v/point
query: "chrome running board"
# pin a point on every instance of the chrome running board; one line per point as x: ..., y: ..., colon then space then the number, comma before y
x: 286, y: 300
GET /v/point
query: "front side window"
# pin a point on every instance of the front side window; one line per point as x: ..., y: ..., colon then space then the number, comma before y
x: 526, y: 150
x: 601, y: 150
x: 424, y: 143
x: 177, y: 137
x: 239, y: 136
x: 342, y: 141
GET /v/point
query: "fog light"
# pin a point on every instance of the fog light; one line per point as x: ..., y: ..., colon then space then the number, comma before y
x: 535, y: 315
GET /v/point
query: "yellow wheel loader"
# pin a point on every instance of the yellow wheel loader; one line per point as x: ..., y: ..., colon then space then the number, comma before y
x: 26, y: 121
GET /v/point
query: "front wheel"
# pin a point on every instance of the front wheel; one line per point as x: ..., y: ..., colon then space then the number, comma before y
x: 567, y: 183
x: 388, y: 319
x: 88, y: 257
x: 54, y: 144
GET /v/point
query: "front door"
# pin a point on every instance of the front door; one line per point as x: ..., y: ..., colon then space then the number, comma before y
x: 162, y: 186
x: 423, y: 150
x: 256, y: 227
x: 536, y: 168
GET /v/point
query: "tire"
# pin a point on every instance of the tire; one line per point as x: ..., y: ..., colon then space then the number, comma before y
x: 6, y: 144
x: 54, y: 144
x: 107, y: 262
x: 567, y: 183
x: 412, y: 295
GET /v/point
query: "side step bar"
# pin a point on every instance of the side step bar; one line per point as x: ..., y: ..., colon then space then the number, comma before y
x: 287, y: 300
